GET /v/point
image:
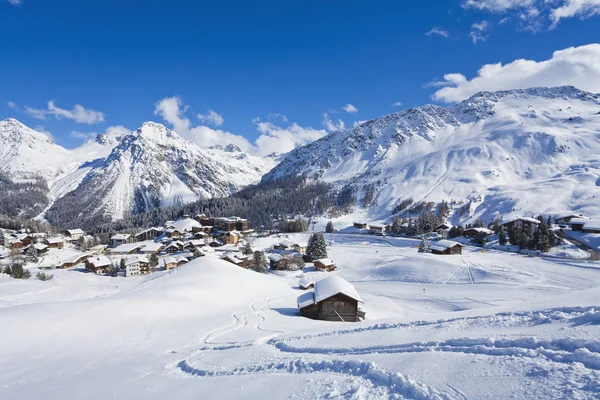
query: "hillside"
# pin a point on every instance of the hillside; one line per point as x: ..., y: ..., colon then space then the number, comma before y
x: 520, y: 152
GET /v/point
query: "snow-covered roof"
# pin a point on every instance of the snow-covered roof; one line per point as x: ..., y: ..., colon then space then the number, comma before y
x: 446, y: 224
x: 151, y: 247
x: 137, y: 259
x: 579, y: 220
x: 592, y: 224
x: 325, y: 261
x: 170, y: 260
x: 306, y: 299
x: 569, y: 215
x: 233, y: 258
x: 275, y: 257
x: 54, y: 240
x: 185, y: 224
x: 442, y: 245
x: 40, y: 246
x: 182, y: 259
x: 305, y: 282
x: 526, y: 219
x: 99, y: 261
x: 75, y: 232
x: 120, y: 236
x: 481, y: 230
x: 333, y: 285
x: 21, y: 236
x: 127, y: 248
x: 197, y: 243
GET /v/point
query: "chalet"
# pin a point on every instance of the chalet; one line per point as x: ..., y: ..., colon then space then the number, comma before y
x: 148, y: 234
x: 127, y: 248
x: 73, y: 235
x: 289, y: 245
x: 99, y: 249
x: 475, y: 232
x: 41, y: 248
x: 120, y: 238
x: 277, y: 262
x: 376, y: 229
x: 565, y: 219
x: 98, y: 264
x: 443, y: 227
x: 200, y: 235
x: 232, y: 237
x: 591, y: 226
x: 524, y: 224
x: 38, y: 237
x: 24, y: 238
x: 174, y: 233
x: 306, y: 283
x: 360, y: 225
x: 215, y: 243
x: 192, y: 245
x: 446, y: 247
x: 16, y: 244
x: 333, y: 299
x: 174, y: 247
x: 144, y: 265
x: 133, y: 267
x: 170, y: 263
x: 237, y: 259
x: 577, y: 224
x: 152, y: 248
x: 181, y: 261
x: 55, y: 242
x: 324, y: 264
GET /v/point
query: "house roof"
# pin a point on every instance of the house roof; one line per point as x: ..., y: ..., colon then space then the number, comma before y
x: 233, y: 258
x: 182, y: 259
x: 275, y: 257
x: 99, y: 261
x: 325, y: 261
x: 305, y: 282
x: 75, y: 232
x: 53, y: 240
x: 447, y: 225
x: 170, y: 260
x: 127, y: 248
x: 442, y: 245
x: 328, y: 287
x: 306, y: 299
x: 185, y: 224
x: 120, y: 236
x: 40, y: 246
x: 592, y: 224
x: 481, y: 230
x: 579, y: 221
x: 151, y: 247
x: 526, y: 219
x: 132, y: 260
x: 569, y: 215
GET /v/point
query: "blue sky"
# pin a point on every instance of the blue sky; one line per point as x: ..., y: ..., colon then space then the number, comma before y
x: 252, y: 63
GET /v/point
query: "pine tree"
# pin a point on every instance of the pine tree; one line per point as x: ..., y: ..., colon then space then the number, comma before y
x: 514, y: 235
x: 502, y: 236
x: 248, y: 250
x: 122, y: 263
x: 316, y: 248
x: 259, y: 262
x: 329, y: 227
x: 153, y: 262
x: 113, y: 270
x: 31, y: 254
x: 424, y: 246
x: 18, y: 272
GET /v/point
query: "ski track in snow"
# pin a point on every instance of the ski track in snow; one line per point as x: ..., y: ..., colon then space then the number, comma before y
x: 564, y: 351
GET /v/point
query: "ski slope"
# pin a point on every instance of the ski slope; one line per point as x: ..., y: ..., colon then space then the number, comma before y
x: 481, y: 325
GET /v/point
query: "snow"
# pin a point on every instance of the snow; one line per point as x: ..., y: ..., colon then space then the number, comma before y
x: 126, y: 248
x: 325, y: 288
x: 99, y: 261
x: 185, y: 225
x: 120, y: 236
x: 444, y: 244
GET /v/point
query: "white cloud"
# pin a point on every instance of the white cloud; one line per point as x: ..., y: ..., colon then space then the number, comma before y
x: 83, y: 135
x: 349, y: 108
x: 397, y: 104
x: 576, y: 66
x: 211, y: 118
x: 78, y: 113
x: 275, y: 116
x: 478, y: 32
x: 116, y: 131
x: 438, y: 31
x: 13, y: 106
x: 15, y: 2
x: 279, y: 139
x: 331, y: 125
x: 535, y: 11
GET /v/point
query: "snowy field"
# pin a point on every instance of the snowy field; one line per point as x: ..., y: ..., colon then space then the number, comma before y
x: 473, y: 326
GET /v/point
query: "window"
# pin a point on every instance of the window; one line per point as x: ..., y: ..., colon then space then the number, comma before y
x: 338, y: 306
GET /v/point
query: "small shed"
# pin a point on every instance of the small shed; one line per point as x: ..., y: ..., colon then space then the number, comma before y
x: 333, y: 299
x: 306, y: 283
x: 446, y: 247
x: 56, y: 242
x: 360, y: 225
x: 98, y: 264
x: 324, y: 264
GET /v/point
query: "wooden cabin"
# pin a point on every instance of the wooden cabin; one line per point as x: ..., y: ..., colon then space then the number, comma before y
x: 40, y: 248
x: 376, y: 229
x: 306, y: 283
x: 242, y: 225
x: 577, y: 224
x: 446, y: 247
x: 525, y: 224
x: 98, y: 264
x: 170, y: 263
x: 324, y: 264
x: 360, y: 225
x: 566, y: 219
x: 55, y: 242
x: 237, y: 259
x: 333, y: 299
x: 474, y: 232
x: 74, y: 235
x: 120, y: 239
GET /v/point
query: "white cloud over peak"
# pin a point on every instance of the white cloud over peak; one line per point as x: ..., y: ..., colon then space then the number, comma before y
x: 331, y: 125
x: 13, y: 106
x: 397, y: 104
x: 576, y: 66
x: 211, y: 118
x: 349, y: 108
x: 280, y: 139
x: 78, y: 113
x: 437, y: 31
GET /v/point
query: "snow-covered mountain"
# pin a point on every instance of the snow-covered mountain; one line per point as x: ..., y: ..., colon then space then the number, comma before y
x: 117, y: 175
x: 520, y: 152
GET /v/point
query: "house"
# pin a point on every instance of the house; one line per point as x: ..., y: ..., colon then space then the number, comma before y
x: 74, y: 235
x: 55, y: 242
x: 181, y: 261
x: 524, y: 224
x: 24, y: 238
x: 376, y: 229
x: 290, y: 245
x: 97, y: 264
x: 133, y: 267
x: 16, y: 244
x: 577, y: 224
x: 152, y: 248
x: 443, y: 227
x: 237, y: 259
x: 38, y: 237
x: 41, y: 248
x: 277, y: 262
x: 565, y: 219
x: 170, y: 263
x: 591, y: 226
x: 225, y: 224
x: 127, y: 248
x: 174, y: 247
x: 192, y: 245
x: 99, y: 249
x: 446, y: 247
x: 242, y: 225
x: 186, y: 225
x: 474, y: 232
x: 121, y: 238
x: 215, y: 243
x: 324, y: 264
x: 200, y: 235
x: 333, y: 299
x: 360, y: 225
x: 306, y: 283
x: 148, y: 234
x: 232, y: 237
